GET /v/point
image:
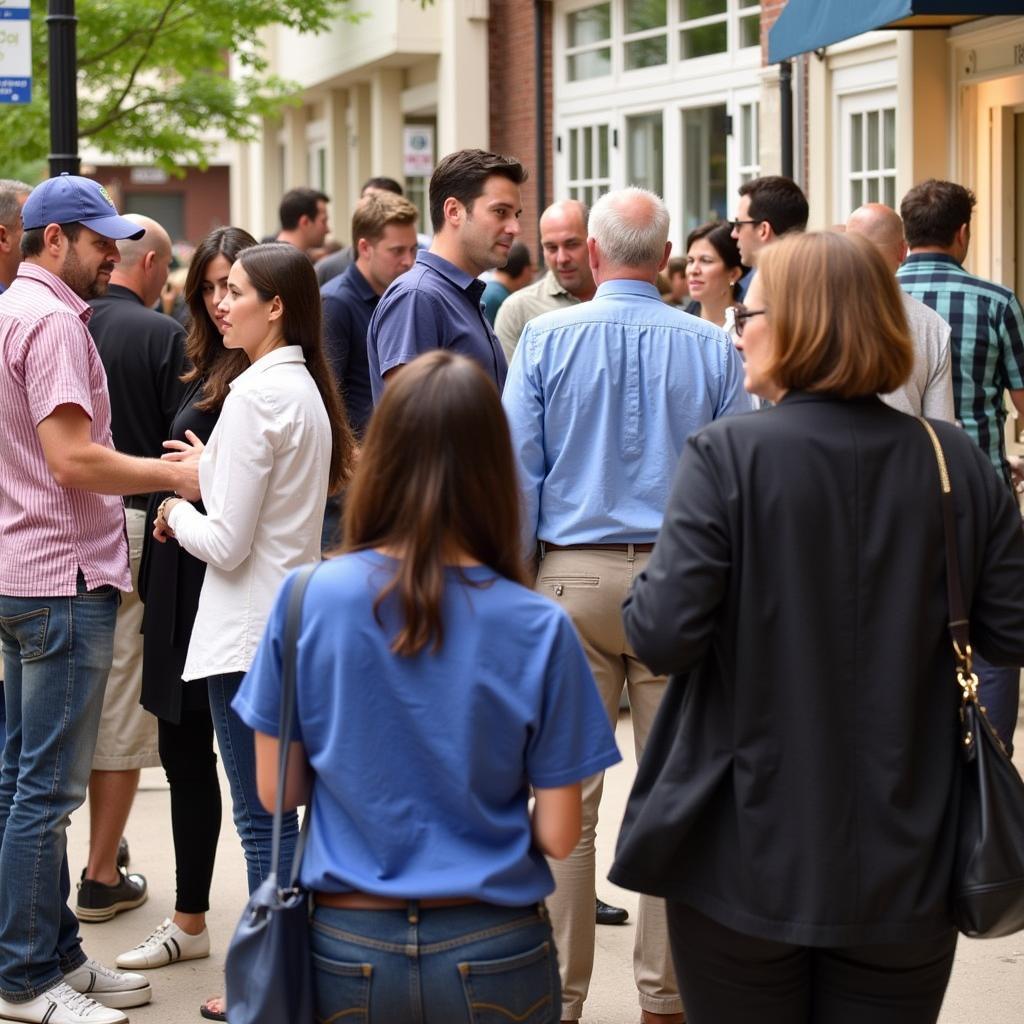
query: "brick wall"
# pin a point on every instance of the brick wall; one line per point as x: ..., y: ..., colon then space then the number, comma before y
x: 512, y: 99
x: 770, y: 11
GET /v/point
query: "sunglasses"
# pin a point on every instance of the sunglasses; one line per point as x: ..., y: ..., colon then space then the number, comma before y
x: 742, y: 315
x: 737, y: 224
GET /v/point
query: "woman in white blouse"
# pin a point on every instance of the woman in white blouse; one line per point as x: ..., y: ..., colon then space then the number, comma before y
x: 280, y: 445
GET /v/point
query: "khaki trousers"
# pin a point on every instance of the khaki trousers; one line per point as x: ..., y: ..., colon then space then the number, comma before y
x: 591, y: 584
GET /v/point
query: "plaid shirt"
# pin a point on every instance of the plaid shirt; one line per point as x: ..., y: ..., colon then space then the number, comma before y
x: 987, y: 344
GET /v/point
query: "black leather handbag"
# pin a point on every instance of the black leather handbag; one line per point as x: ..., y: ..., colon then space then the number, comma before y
x: 268, y: 969
x: 987, y: 897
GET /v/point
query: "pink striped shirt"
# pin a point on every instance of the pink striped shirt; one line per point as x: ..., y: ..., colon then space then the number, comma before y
x: 47, y: 359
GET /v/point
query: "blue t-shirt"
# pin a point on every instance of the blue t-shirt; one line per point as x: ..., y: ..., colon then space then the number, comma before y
x: 433, y: 305
x: 422, y: 764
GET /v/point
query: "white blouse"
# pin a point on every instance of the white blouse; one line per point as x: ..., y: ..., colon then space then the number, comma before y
x: 263, y: 478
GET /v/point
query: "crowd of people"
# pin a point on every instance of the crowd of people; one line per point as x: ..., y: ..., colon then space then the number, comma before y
x: 525, y: 499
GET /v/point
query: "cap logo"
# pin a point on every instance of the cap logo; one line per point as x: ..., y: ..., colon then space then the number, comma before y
x: 106, y: 195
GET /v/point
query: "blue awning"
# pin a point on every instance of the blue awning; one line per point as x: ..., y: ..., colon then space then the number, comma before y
x: 806, y: 25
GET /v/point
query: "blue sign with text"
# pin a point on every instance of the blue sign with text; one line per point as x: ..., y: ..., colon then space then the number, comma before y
x: 15, y: 52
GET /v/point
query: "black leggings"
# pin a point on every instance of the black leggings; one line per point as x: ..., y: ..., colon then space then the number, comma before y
x: 186, y: 752
x: 729, y: 978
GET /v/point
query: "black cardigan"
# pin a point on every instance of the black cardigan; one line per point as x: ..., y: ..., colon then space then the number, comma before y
x: 799, y: 784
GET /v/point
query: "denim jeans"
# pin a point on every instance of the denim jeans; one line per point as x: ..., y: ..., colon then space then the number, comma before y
x: 1000, y: 693
x: 473, y: 964
x: 255, y: 826
x: 57, y: 653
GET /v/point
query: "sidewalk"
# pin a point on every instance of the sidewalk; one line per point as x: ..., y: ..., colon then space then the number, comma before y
x: 987, y: 984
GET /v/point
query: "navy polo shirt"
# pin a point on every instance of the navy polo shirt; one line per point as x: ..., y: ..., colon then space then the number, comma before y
x: 434, y: 305
x: 349, y: 302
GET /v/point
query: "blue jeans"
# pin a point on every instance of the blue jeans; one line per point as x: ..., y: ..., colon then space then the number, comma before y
x: 1000, y: 693
x: 473, y: 964
x: 57, y: 653
x: 255, y: 826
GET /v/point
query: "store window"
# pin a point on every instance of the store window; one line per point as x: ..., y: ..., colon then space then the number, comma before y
x: 705, y: 26
x: 589, y: 162
x: 589, y: 53
x: 645, y: 35
x: 705, y: 166
x: 644, y: 163
x: 749, y: 163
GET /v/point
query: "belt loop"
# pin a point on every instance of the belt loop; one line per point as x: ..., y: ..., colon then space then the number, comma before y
x: 412, y: 911
x: 543, y: 549
x: 630, y: 553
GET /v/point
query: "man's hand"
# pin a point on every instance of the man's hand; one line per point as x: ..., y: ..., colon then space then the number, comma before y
x: 186, y: 455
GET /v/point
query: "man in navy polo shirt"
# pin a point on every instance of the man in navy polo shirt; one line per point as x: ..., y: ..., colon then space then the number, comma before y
x: 475, y: 205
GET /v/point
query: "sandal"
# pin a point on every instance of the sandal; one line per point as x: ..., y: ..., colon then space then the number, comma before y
x: 206, y: 1012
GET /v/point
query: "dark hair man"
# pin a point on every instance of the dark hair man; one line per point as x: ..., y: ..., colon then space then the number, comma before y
x: 563, y: 240
x: 768, y: 208
x: 303, y: 214
x: 987, y: 345
x: 475, y: 205
x: 338, y: 262
x: 515, y: 275
x: 596, y: 447
x: 12, y: 198
x: 63, y: 559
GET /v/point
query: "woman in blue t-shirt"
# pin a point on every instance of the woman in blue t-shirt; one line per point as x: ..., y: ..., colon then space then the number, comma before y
x: 434, y: 689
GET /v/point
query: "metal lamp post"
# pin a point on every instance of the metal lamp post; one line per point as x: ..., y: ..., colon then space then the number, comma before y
x: 62, y: 25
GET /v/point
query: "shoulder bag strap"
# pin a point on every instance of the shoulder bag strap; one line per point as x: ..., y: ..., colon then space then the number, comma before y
x: 293, y: 623
x: 958, y: 621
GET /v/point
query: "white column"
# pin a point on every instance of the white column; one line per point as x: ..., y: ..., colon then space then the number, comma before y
x: 462, y: 102
x: 360, y: 151
x: 339, y: 186
x: 296, y: 149
x: 386, y: 121
x: 265, y: 203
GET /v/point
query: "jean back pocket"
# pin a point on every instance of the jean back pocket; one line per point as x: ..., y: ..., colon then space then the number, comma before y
x: 342, y: 991
x: 518, y: 989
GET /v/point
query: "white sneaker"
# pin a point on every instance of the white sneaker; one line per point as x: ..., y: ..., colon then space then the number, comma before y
x: 111, y: 988
x: 61, y: 1005
x: 166, y: 945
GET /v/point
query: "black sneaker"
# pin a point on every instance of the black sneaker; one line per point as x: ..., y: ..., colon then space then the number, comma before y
x: 99, y: 902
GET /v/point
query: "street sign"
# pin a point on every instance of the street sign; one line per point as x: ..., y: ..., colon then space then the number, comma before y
x: 15, y: 52
x: 418, y: 150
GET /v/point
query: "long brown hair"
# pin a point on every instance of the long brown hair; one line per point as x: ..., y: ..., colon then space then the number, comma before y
x: 276, y: 268
x: 836, y: 314
x: 210, y: 361
x: 436, y: 472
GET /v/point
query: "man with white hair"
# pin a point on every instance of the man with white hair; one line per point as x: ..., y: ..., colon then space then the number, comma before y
x: 929, y: 390
x: 600, y: 398
x: 143, y: 353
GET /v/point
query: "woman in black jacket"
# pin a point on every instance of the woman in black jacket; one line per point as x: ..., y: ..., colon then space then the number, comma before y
x: 798, y: 798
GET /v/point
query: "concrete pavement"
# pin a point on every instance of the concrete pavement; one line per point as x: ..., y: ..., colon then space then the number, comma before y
x: 987, y: 986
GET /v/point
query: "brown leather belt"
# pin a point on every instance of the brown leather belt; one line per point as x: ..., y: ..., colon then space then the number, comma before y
x: 367, y: 901
x: 596, y: 547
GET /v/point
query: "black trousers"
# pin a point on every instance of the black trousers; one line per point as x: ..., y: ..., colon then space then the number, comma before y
x: 726, y: 977
x: 187, y: 754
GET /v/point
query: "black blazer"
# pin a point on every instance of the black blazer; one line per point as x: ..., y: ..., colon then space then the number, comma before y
x: 799, y: 783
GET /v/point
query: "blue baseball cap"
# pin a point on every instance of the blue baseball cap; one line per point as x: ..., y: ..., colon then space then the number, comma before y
x: 68, y: 199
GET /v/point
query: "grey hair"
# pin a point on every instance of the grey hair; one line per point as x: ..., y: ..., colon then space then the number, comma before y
x: 630, y: 227
x: 10, y: 208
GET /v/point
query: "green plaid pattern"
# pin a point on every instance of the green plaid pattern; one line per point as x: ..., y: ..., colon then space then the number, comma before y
x: 987, y: 344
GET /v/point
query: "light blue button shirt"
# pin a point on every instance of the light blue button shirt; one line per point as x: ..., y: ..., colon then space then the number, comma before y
x: 600, y: 399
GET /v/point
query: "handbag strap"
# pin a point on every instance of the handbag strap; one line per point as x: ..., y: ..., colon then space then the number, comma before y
x: 289, y: 656
x: 958, y: 621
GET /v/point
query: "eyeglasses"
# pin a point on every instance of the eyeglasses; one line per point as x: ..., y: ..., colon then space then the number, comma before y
x: 737, y: 224
x: 742, y: 315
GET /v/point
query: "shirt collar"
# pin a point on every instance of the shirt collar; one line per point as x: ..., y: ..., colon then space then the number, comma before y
x: 284, y: 354
x: 456, y: 275
x: 362, y: 287
x: 624, y: 286
x: 77, y: 305
x: 552, y: 286
x: 118, y: 291
x: 932, y: 257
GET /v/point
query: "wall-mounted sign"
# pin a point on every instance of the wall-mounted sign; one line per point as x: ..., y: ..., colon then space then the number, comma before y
x: 1004, y: 56
x: 15, y: 52
x: 148, y: 176
x: 418, y: 150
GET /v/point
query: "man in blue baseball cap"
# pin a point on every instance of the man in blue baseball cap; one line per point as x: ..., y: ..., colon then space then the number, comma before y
x: 63, y: 561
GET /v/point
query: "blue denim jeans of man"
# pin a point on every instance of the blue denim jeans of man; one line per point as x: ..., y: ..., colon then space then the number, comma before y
x: 472, y: 964
x: 255, y: 826
x: 57, y: 653
x: 1000, y: 694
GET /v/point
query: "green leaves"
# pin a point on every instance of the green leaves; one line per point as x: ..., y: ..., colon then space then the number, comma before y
x: 153, y: 81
